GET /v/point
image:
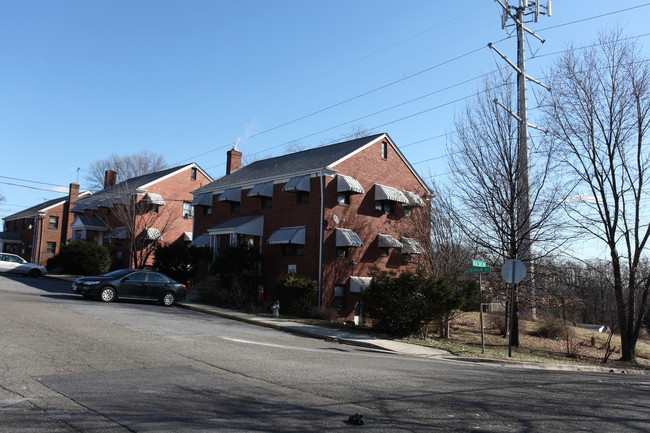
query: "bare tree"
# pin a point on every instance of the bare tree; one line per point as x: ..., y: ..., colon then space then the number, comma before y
x: 483, y: 194
x: 143, y: 224
x: 126, y: 166
x: 599, y: 112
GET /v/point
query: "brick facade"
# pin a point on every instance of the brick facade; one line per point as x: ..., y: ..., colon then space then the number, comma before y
x: 376, y: 162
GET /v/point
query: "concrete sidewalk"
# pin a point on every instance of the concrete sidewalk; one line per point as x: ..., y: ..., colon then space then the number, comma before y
x: 321, y: 332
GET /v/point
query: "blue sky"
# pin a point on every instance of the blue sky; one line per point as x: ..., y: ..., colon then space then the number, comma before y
x: 187, y: 79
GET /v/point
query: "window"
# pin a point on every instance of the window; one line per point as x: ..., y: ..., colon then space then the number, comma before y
x: 266, y: 201
x: 138, y: 276
x: 153, y: 208
x: 342, y: 252
x: 384, y: 150
x: 51, y: 248
x: 193, y: 173
x: 156, y: 278
x: 302, y: 197
x: 407, y: 211
x: 293, y: 250
x: 54, y: 222
x: 188, y: 210
x: 235, y: 206
x: 407, y: 258
x: 384, y: 252
x: 207, y: 210
x: 344, y: 197
x: 339, y: 297
x: 386, y: 206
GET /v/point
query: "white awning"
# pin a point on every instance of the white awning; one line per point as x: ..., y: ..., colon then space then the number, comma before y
x: 262, y: 190
x: 202, y: 200
x: 288, y: 235
x: 411, y: 246
x: 117, y: 233
x: 347, y: 183
x: 357, y: 284
x: 152, y: 234
x: 295, y: 184
x: 153, y: 198
x: 232, y: 194
x: 414, y: 199
x: 347, y: 238
x: 388, y: 241
x: 383, y: 192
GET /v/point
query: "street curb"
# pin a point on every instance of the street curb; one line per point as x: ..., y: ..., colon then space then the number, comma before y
x: 291, y: 330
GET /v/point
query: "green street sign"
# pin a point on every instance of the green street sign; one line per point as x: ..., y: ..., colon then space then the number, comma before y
x: 478, y: 264
x: 479, y: 270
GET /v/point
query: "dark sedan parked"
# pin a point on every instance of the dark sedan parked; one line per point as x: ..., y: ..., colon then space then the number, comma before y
x: 133, y: 284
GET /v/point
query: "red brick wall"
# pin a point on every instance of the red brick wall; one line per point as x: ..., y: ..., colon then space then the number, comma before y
x: 368, y: 167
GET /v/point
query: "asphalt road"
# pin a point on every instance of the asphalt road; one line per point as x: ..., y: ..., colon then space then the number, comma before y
x: 72, y: 365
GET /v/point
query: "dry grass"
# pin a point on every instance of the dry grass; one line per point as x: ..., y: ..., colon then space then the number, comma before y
x: 582, y: 347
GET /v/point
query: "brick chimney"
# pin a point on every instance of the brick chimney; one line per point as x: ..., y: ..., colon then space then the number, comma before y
x: 110, y: 177
x: 233, y: 161
x: 73, y: 192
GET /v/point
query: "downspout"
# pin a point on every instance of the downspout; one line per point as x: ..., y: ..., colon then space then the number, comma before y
x: 320, y: 249
x: 34, y: 239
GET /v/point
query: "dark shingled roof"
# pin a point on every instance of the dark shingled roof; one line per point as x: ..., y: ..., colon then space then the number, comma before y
x: 285, y: 165
x: 32, y: 211
x: 128, y: 186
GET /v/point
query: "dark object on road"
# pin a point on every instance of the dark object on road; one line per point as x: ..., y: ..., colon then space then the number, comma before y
x: 356, y: 419
x: 133, y: 284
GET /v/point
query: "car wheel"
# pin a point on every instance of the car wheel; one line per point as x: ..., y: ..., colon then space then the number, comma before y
x: 168, y: 299
x: 107, y: 294
x: 34, y: 273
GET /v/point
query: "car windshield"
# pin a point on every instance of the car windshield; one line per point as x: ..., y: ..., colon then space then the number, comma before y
x: 119, y: 274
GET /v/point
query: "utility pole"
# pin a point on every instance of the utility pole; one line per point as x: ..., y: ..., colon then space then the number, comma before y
x: 527, y: 10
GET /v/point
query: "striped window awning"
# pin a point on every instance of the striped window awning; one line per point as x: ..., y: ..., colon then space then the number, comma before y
x: 299, y: 183
x: 152, y: 234
x: 232, y: 194
x: 347, y: 238
x: 357, y: 284
x: 288, y: 235
x: 262, y: 190
x: 153, y: 198
x: 414, y: 200
x: 347, y: 183
x: 411, y: 246
x: 383, y: 192
x: 387, y: 241
x: 202, y: 200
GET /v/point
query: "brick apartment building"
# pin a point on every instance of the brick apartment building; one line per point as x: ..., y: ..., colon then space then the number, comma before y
x: 37, y: 233
x: 330, y: 213
x: 149, y: 208
x: 131, y: 216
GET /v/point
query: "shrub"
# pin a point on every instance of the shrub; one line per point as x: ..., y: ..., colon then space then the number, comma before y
x: 82, y: 258
x: 298, y: 295
x: 180, y: 261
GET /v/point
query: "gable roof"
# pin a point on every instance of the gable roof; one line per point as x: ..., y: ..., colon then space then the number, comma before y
x: 46, y: 205
x: 287, y: 166
x: 129, y: 186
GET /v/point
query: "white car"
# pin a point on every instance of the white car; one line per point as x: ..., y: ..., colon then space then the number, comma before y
x: 17, y: 265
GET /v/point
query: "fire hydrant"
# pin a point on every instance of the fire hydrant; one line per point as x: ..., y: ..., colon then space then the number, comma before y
x: 276, y: 309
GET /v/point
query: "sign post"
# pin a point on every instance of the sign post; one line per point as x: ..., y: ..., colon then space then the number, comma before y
x: 513, y: 271
x: 478, y: 267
